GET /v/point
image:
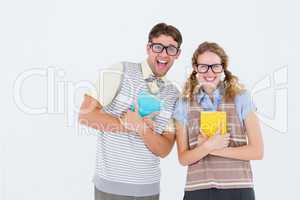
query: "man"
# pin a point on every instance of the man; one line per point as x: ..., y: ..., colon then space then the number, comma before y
x: 127, y: 165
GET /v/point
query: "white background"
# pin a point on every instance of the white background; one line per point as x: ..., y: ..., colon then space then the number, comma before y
x: 44, y: 156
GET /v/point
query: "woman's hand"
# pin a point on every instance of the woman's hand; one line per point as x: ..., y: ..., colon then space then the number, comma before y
x: 202, y: 139
x: 217, y: 141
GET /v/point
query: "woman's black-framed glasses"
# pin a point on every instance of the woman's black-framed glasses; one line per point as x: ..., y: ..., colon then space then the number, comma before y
x: 158, y: 48
x: 203, y: 68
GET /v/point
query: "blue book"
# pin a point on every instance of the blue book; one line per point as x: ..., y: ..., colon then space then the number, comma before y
x: 147, y: 104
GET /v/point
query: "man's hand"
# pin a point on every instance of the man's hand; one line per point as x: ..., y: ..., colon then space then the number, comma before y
x: 149, y: 120
x: 132, y: 120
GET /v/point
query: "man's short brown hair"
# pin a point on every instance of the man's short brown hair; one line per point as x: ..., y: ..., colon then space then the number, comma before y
x: 165, y: 29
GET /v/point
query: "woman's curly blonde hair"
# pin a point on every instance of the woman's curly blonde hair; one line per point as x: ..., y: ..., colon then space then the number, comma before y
x: 231, y: 85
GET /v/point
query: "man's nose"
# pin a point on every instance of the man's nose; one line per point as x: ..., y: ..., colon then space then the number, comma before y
x: 164, y: 52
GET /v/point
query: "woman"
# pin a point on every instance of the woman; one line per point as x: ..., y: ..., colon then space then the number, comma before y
x: 218, y: 166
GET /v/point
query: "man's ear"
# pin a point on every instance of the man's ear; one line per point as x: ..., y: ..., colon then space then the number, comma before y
x: 178, y: 54
x: 148, y: 49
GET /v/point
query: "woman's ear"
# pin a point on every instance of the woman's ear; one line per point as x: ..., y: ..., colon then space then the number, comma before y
x: 222, y: 77
x: 194, y: 69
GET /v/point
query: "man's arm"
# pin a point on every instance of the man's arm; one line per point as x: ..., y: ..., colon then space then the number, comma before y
x: 91, y: 115
x: 160, y: 145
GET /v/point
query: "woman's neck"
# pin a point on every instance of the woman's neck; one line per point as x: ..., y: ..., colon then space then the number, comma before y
x: 209, y: 90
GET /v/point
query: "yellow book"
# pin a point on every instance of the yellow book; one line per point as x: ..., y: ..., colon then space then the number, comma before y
x: 211, y: 121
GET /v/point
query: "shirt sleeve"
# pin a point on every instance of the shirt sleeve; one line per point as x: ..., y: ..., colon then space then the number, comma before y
x: 244, y: 105
x: 170, y: 126
x: 107, y: 84
x: 180, y: 112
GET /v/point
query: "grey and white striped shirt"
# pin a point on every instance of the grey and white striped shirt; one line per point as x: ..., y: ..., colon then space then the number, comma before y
x: 124, y: 165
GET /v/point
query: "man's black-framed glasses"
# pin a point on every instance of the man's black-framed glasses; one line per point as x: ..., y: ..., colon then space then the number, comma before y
x: 158, y: 48
x: 203, y: 68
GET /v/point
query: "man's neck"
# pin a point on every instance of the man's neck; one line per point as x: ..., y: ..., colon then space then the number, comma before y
x: 151, y: 67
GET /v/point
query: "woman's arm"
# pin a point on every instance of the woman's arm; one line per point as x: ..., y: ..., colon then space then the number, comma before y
x: 254, y: 150
x: 188, y: 157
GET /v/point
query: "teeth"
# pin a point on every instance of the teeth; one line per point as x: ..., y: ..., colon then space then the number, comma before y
x: 209, y: 79
x: 162, y: 61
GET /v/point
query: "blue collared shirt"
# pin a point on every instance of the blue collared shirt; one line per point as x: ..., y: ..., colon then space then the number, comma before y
x: 242, y: 101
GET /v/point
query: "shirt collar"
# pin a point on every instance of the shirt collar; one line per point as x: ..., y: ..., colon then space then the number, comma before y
x: 204, y: 100
x: 203, y: 94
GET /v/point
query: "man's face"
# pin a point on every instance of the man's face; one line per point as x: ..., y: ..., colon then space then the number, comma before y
x: 160, y: 63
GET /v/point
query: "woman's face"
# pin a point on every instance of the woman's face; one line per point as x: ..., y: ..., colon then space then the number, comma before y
x: 209, y: 79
